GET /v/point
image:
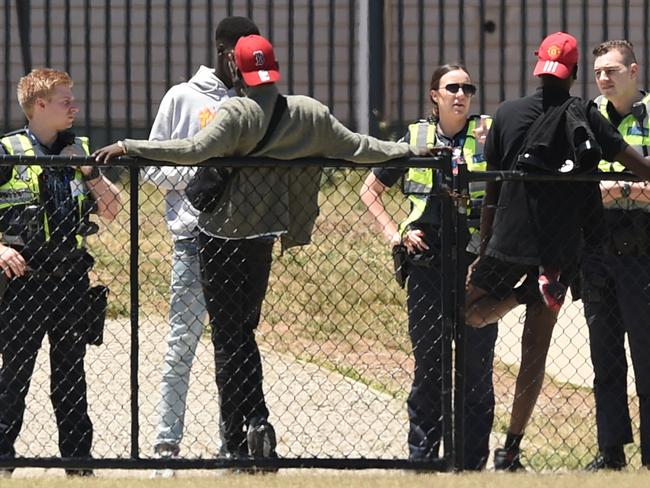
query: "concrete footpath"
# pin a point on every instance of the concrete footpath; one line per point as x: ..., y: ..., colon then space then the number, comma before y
x: 569, y: 358
x: 315, y: 412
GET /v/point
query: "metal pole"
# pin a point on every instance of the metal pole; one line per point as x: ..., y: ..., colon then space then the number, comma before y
x: 461, y: 186
x: 375, y: 75
x: 353, y: 116
x: 6, y: 109
x: 23, y: 11
x: 134, y: 173
x: 448, y: 285
x: 363, y: 102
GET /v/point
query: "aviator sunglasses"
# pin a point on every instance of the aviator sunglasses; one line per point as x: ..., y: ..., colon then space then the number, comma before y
x: 468, y: 88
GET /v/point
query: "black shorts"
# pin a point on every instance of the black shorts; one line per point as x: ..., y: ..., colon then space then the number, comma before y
x: 499, y: 278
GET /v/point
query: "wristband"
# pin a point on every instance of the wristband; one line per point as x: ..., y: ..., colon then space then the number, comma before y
x: 122, y: 146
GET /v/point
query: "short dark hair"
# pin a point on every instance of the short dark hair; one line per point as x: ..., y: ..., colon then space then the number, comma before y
x: 621, y: 45
x: 230, y: 29
x: 439, y: 72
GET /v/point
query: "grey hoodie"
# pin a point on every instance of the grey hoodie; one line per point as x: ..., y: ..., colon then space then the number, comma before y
x: 184, y: 110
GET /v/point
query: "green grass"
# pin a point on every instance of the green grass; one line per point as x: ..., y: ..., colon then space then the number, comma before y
x: 320, y: 479
x: 111, y: 250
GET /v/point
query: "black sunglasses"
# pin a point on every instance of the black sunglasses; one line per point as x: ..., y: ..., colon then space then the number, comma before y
x: 468, y: 88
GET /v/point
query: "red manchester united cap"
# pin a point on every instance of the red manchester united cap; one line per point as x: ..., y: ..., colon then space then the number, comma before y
x: 558, y: 55
x: 255, y: 59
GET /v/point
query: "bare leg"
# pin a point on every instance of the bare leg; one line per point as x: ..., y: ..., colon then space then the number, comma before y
x: 538, y: 330
x: 482, y: 309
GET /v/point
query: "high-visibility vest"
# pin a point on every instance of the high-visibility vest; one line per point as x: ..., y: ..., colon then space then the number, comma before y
x: 636, y: 134
x: 23, y: 187
x: 419, y: 182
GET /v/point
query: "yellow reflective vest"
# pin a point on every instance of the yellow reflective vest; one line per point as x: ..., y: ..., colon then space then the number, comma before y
x: 636, y: 134
x: 419, y: 182
x: 23, y: 187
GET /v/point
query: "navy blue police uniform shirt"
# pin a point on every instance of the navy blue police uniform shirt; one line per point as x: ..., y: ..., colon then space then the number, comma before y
x: 389, y: 176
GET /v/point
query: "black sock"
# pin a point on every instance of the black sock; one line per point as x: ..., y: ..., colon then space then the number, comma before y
x: 513, y: 441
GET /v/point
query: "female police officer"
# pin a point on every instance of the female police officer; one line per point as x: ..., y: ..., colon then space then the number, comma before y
x: 449, y: 125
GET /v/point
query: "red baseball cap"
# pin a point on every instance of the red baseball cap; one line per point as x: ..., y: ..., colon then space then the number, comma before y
x: 558, y: 55
x: 255, y: 59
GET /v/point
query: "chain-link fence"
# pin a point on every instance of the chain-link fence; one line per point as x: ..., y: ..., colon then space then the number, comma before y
x: 336, y: 352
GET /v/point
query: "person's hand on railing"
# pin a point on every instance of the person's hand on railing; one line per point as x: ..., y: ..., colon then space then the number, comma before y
x: 105, y: 154
x: 423, y: 152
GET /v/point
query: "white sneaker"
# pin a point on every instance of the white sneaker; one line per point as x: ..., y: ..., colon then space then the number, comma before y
x: 165, y: 451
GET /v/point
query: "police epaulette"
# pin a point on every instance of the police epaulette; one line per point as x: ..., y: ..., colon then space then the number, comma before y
x: 16, y: 132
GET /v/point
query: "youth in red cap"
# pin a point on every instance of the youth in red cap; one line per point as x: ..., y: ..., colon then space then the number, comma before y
x: 255, y: 59
x: 558, y: 55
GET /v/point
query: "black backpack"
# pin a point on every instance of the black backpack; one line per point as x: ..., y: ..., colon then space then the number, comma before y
x: 209, y: 183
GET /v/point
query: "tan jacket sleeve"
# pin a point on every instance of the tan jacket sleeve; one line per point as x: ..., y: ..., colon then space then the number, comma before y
x: 217, y: 139
x: 360, y: 148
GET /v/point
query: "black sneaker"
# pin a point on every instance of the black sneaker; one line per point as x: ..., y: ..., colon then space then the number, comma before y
x: 262, y: 442
x: 505, y: 460
x: 605, y: 462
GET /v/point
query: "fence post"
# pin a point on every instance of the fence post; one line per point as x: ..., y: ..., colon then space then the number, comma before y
x: 370, y: 68
x: 460, y: 186
x: 23, y: 11
x: 134, y: 176
x: 375, y: 65
x: 448, y: 284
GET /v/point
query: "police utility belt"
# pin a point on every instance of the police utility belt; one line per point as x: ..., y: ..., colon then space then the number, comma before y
x: 403, y: 260
x: 629, y: 232
x: 60, y: 266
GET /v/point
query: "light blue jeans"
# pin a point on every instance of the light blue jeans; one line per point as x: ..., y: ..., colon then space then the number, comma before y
x: 187, y: 315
